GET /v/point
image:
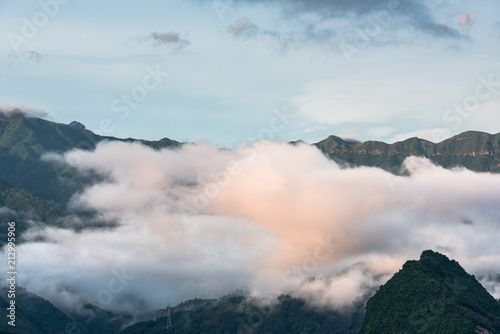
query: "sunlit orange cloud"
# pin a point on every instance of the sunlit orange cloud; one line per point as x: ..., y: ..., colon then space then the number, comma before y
x: 301, y: 208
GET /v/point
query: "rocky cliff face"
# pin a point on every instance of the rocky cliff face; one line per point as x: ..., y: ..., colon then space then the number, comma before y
x: 477, y: 151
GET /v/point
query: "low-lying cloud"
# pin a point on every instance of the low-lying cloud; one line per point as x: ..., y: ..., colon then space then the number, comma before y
x: 9, y: 108
x: 270, y: 218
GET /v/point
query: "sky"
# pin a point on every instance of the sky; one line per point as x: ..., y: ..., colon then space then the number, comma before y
x: 235, y: 71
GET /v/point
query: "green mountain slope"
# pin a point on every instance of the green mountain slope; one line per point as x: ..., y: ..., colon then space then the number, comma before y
x: 477, y: 151
x: 432, y: 295
x: 21, y: 206
x: 238, y: 315
x: 229, y: 314
x: 35, y: 315
x: 23, y: 140
x: 24, y: 202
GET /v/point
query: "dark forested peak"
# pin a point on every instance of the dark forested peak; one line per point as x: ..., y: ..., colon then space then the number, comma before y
x: 77, y: 125
x: 432, y: 295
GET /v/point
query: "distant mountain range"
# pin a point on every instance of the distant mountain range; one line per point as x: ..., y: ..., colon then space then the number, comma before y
x: 24, y: 139
x: 477, y: 151
x: 35, y: 189
x: 39, y: 189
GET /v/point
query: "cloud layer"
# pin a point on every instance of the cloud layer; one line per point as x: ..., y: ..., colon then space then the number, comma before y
x: 201, y: 222
x: 7, y: 108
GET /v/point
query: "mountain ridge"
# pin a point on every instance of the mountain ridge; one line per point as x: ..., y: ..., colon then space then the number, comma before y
x: 474, y: 150
x: 25, y: 139
x: 432, y: 295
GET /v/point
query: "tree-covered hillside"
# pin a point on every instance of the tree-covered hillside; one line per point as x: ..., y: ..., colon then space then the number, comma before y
x: 477, y: 151
x: 240, y: 315
x: 432, y: 295
x: 24, y: 140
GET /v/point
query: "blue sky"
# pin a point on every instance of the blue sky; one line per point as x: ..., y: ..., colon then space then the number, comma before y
x: 383, y: 70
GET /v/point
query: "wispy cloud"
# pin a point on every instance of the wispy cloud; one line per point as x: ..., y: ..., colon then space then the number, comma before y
x: 465, y: 23
x: 8, y: 108
x: 246, y: 29
x: 380, y: 132
x: 243, y: 28
x: 167, y: 39
x: 428, y: 134
x: 23, y: 59
x: 314, y: 16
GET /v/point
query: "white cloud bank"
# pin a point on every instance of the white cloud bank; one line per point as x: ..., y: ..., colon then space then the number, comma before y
x: 202, y: 222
